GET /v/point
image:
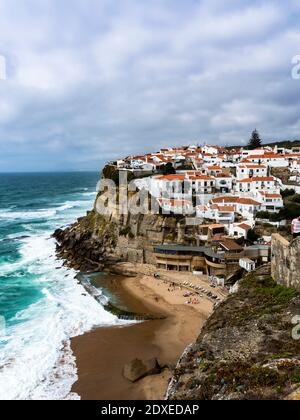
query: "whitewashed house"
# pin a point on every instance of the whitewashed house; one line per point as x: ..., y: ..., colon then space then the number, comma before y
x: 184, y: 207
x: 270, y: 159
x: 256, y: 183
x: 202, y: 184
x: 170, y: 186
x: 247, y: 264
x: 247, y: 207
x: 240, y: 230
x: 295, y: 166
x: 213, y: 170
x: 251, y: 170
x: 210, y: 150
x: 220, y: 214
x: 198, y: 162
x: 270, y: 202
x: 224, y: 183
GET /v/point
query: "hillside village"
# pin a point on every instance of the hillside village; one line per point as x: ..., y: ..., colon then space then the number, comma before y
x: 235, y: 197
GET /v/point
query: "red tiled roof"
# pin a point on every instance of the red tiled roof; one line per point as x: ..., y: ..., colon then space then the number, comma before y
x: 225, y: 199
x: 223, y: 175
x: 226, y: 208
x: 257, y: 179
x: 201, y: 178
x: 230, y: 245
x: 273, y: 195
x: 175, y: 202
x: 214, y: 168
x: 266, y: 156
x: 251, y: 166
x: 175, y: 177
x: 245, y: 226
x: 248, y: 201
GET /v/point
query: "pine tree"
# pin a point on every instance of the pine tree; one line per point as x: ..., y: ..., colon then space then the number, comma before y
x: 255, y: 141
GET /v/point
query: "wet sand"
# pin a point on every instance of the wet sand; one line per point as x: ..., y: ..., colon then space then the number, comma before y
x: 102, y: 354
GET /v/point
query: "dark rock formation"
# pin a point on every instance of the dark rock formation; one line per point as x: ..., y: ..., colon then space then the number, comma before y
x: 138, y: 369
x: 82, y: 249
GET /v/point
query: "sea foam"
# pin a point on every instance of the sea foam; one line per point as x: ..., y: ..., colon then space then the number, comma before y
x: 36, y: 360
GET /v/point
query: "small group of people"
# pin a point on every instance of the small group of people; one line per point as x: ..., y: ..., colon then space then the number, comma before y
x: 193, y: 301
x: 172, y: 287
x: 296, y: 227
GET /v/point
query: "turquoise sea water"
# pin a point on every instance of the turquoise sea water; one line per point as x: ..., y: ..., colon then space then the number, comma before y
x: 41, y: 303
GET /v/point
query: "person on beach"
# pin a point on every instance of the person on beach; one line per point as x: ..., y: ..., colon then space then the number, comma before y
x: 296, y: 227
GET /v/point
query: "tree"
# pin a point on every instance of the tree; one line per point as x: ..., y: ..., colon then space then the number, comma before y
x: 252, y: 235
x: 255, y: 141
x: 168, y: 169
x: 288, y: 193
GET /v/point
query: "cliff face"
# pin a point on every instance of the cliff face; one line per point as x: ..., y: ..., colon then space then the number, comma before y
x: 97, y: 238
x: 246, y: 349
x: 286, y: 261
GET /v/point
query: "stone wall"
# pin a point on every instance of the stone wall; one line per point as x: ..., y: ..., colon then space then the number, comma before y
x: 286, y: 261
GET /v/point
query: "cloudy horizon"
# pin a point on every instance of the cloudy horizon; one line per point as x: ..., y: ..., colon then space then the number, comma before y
x: 91, y: 80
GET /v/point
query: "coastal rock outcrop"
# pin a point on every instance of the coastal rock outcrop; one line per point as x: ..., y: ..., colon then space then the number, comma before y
x: 246, y: 349
x: 98, y: 239
x: 138, y: 369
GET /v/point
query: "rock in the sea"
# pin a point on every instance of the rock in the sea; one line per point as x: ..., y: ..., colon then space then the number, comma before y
x: 138, y: 369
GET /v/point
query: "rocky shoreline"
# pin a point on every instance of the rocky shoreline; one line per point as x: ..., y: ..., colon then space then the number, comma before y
x: 80, y: 250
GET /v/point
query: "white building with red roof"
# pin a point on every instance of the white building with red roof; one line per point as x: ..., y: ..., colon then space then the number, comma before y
x: 256, y: 183
x: 270, y: 202
x: 240, y: 230
x: 250, y: 170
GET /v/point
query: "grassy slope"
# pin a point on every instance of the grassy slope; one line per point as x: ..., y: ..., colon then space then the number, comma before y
x: 246, y: 349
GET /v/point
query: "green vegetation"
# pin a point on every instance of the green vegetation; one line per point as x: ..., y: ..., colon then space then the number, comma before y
x: 126, y: 232
x: 245, y: 350
x: 290, y: 211
x: 296, y: 198
x: 255, y: 141
x: 186, y: 167
x: 287, y: 144
x: 112, y: 172
x: 168, y: 169
x: 252, y: 235
x: 288, y: 193
x: 266, y: 296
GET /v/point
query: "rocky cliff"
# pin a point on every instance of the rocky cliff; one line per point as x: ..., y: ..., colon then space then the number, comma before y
x: 98, y: 239
x: 286, y: 261
x: 247, y: 349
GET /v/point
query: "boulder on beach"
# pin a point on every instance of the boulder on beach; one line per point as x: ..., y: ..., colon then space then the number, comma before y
x: 138, y: 369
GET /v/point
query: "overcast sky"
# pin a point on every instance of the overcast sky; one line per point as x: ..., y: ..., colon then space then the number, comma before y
x: 90, y: 80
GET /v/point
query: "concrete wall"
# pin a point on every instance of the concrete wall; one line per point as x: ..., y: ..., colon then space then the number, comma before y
x: 285, y: 263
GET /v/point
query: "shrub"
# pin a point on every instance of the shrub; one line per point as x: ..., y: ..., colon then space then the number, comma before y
x: 252, y: 235
x: 288, y: 193
x: 168, y: 169
x: 289, y: 212
x: 263, y: 215
x: 111, y: 172
x: 296, y: 198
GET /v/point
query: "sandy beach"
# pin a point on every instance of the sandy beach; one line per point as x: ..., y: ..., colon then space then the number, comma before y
x: 102, y: 354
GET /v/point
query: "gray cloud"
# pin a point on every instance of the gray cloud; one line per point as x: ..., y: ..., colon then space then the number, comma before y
x: 92, y: 80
